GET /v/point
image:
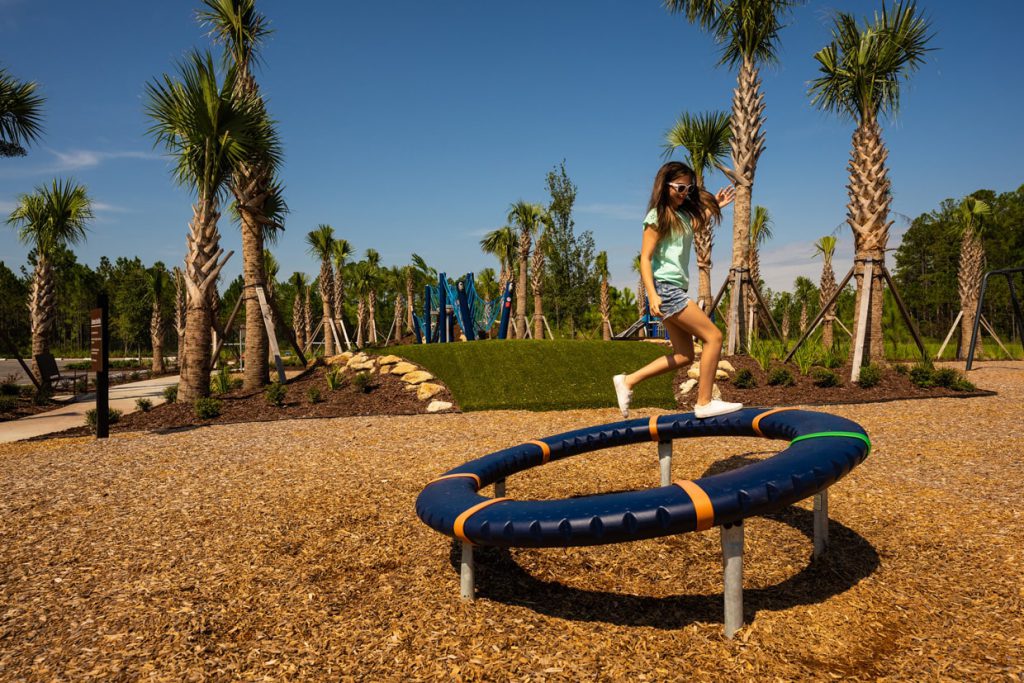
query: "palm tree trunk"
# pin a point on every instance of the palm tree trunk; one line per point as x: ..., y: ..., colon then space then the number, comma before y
x: 524, y: 255
x: 409, y: 322
x: 702, y: 245
x: 180, y: 295
x: 536, y: 284
x: 747, y: 144
x: 868, y: 216
x: 257, y: 345
x: 606, y: 323
x: 202, y: 265
x: 641, y: 305
x: 42, y: 308
x: 298, y: 324
x: 825, y: 292
x: 372, y: 325
x: 360, y: 315
x: 326, y: 297
x: 307, y: 317
x: 972, y: 264
x: 156, y: 337
x: 785, y: 324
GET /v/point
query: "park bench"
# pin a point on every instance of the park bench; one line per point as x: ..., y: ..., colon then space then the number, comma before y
x: 51, y: 374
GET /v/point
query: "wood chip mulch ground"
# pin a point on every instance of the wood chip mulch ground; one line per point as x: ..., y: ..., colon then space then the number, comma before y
x: 290, y: 550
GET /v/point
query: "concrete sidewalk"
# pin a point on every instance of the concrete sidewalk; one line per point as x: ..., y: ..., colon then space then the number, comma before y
x: 122, y: 397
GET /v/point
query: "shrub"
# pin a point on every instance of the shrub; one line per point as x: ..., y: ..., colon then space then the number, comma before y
x: 362, y: 382
x: 9, y: 385
x: 945, y: 377
x: 825, y: 378
x: 962, y: 384
x: 207, y: 408
x: 42, y: 397
x: 901, y: 369
x: 870, y: 376
x: 8, y: 404
x: 144, y: 404
x: 313, y: 395
x: 92, y: 421
x: 336, y: 378
x: 80, y: 365
x: 82, y: 385
x: 171, y: 393
x: 26, y: 391
x: 781, y: 377
x: 275, y: 394
x: 134, y: 376
x: 744, y: 379
x: 921, y: 375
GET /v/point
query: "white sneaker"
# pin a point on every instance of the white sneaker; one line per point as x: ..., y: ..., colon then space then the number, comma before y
x: 622, y: 393
x: 716, y: 407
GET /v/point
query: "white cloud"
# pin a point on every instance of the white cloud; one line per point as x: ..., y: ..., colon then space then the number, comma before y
x: 84, y: 158
x: 110, y: 208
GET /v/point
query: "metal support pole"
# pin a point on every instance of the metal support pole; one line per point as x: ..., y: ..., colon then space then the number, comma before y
x: 665, y: 460
x: 468, y: 574
x: 732, y: 562
x: 499, y: 488
x: 820, y: 523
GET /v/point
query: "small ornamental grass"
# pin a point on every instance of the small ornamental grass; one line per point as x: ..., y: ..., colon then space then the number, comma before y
x: 8, y: 403
x: 363, y: 382
x: 804, y: 359
x: 171, y: 393
x: 207, y: 408
x: 336, y: 378
x: 313, y: 394
x: 144, y: 404
x: 275, y: 394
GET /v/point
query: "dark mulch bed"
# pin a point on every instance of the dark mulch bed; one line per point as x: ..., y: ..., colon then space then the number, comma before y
x: 26, y: 407
x: 387, y: 396
x: 893, y: 386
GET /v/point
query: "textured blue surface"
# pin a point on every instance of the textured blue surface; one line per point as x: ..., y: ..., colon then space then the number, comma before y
x: 799, y: 471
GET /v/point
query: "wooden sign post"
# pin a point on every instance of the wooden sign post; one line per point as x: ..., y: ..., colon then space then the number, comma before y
x: 99, y: 352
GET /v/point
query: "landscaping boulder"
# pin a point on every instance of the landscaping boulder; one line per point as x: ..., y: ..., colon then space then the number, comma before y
x: 416, y: 377
x: 428, y: 390
x: 388, y: 360
x: 403, y: 368
x: 438, y: 406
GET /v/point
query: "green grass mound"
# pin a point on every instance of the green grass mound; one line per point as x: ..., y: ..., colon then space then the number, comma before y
x: 540, y: 375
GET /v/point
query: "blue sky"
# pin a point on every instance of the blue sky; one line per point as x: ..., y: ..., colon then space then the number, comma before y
x: 411, y: 126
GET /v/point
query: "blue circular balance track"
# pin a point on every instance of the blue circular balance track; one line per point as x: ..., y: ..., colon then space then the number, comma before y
x: 822, y: 449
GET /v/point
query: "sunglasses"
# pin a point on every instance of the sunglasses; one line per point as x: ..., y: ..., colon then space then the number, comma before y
x: 681, y: 188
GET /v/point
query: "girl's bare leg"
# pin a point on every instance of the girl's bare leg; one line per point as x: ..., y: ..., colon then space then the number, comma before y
x: 693, y: 321
x: 682, y: 355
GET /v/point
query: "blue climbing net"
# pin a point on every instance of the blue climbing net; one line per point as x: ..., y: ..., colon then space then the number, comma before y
x: 482, y: 312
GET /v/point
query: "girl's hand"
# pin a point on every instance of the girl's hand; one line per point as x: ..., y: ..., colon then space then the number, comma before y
x: 654, y: 301
x: 725, y: 196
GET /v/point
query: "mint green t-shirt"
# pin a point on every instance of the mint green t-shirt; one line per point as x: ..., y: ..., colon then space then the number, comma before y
x: 671, y: 259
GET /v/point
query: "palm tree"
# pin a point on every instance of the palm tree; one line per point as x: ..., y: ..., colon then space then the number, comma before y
x: 20, y: 115
x: 209, y: 129
x: 159, y: 286
x: 50, y: 219
x: 641, y: 294
x: 760, y: 232
x: 373, y: 265
x: 180, y: 309
x: 502, y: 243
x: 341, y: 252
x: 241, y: 29
x: 826, y: 246
x: 321, y: 245
x: 527, y: 218
x: 786, y: 302
x: 537, y: 284
x: 748, y: 31
x: 307, y: 317
x: 861, y: 69
x: 705, y: 137
x: 300, y: 283
x: 804, y: 292
x: 967, y: 220
x: 601, y: 266
x: 361, y: 279
x: 270, y: 268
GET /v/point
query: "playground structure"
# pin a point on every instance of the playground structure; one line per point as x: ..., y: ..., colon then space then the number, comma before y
x: 446, y: 304
x: 1008, y: 273
x: 822, y: 449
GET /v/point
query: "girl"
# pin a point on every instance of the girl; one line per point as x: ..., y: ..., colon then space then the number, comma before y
x: 676, y: 205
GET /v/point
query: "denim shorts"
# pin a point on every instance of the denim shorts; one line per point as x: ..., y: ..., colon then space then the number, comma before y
x: 673, y: 298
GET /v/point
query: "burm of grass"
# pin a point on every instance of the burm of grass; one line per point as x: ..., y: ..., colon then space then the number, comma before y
x: 554, y: 374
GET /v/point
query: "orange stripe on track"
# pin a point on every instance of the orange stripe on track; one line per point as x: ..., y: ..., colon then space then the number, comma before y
x: 653, y: 427
x: 546, y: 449
x: 756, y: 424
x: 460, y: 521
x: 701, y: 503
x: 468, y: 475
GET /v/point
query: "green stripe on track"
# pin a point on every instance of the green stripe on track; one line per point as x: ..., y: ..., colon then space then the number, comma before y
x: 854, y: 435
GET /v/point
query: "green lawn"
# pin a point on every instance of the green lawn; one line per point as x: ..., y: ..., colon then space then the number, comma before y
x: 539, y: 375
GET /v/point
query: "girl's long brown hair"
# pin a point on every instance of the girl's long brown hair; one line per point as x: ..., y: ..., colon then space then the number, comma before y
x: 697, y: 201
